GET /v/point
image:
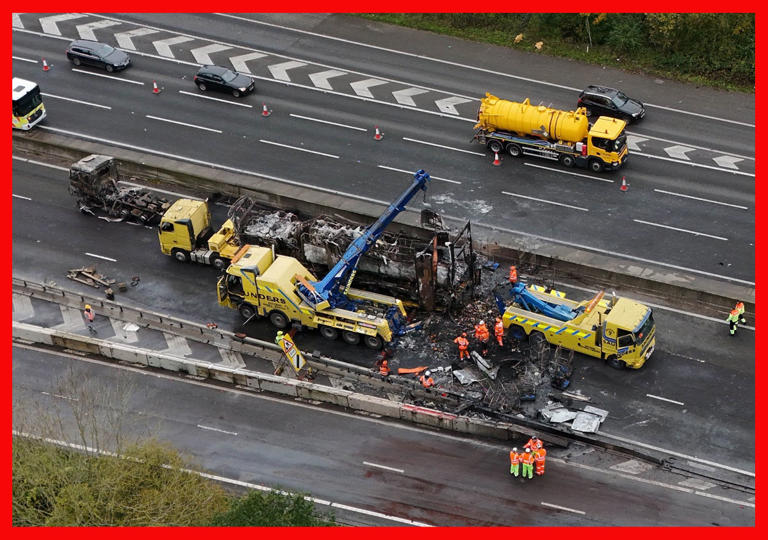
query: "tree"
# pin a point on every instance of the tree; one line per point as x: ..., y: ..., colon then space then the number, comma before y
x: 272, y: 509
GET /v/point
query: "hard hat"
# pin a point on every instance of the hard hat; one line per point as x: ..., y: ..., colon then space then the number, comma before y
x: 463, y: 334
x: 482, y: 322
x: 427, y: 373
x: 87, y: 306
x: 514, y: 449
x: 527, y: 449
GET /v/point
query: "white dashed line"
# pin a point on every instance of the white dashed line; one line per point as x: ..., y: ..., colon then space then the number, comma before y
x: 411, y: 172
x: 215, y: 99
x: 107, y: 76
x: 545, y: 201
x: 76, y: 101
x: 300, y: 149
x: 665, y: 399
x: 443, y: 146
x: 695, y: 233
x: 218, y: 430
x: 326, y: 122
x: 34, y: 162
x: 401, y: 471
x: 101, y: 257
x: 701, y: 199
x: 181, y: 123
x: 22, y: 197
x: 24, y: 59
x: 558, y: 507
x: 569, y: 172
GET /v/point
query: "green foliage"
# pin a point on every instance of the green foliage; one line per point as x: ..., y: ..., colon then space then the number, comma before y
x: 272, y: 509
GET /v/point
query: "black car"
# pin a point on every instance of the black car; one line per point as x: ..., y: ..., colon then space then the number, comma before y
x: 603, y: 101
x: 224, y: 80
x: 92, y: 53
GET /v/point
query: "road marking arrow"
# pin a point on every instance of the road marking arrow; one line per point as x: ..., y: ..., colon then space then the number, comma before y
x: 239, y: 62
x: 86, y: 30
x: 202, y: 54
x: 17, y: 21
x: 49, y: 23
x: 125, y: 39
x: 727, y: 161
x: 361, y: 88
x: 404, y: 97
x: 163, y: 46
x: 279, y: 71
x: 448, y: 105
x: 678, y: 151
x: 320, y: 79
x: 633, y: 142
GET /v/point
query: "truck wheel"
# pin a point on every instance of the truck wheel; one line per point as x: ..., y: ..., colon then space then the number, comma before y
x: 246, y: 310
x: 350, y: 337
x: 515, y: 150
x: 495, y: 146
x: 595, y: 165
x: 329, y: 332
x: 373, y: 342
x: 219, y: 263
x: 180, y: 255
x: 516, y: 331
x: 567, y: 160
x: 536, y: 339
x: 279, y: 320
x: 615, y: 363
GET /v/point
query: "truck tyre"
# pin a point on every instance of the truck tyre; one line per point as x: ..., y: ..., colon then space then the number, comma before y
x: 219, y: 264
x: 517, y: 331
x: 515, y: 150
x: 536, y: 339
x: 351, y: 338
x: 373, y: 342
x: 328, y: 332
x: 567, y: 160
x: 495, y: 146
x: 279, y: 320
x: 595, y: 165
x: 615, y: 363
x: 246, y: 310
x: 180, y: 255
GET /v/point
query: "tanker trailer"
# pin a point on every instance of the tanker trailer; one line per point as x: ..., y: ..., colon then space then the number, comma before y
x: 564, y: 136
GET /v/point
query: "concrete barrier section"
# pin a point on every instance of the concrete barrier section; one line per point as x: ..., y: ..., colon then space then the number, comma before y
x: 485, y: 428
x: 32, y: 333
x: 426, y: 416
x: 276, y: 384
x: 166, y: 362
x: 327, y: 394
x: 124, y: 353
x: 221, y: 373
x: 375, y: 405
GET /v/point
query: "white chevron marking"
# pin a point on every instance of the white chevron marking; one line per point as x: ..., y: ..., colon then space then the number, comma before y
x: 201, y: 54
x: 121, y: 333
x: 405, y: 96
x: 163, y: 46
x: 49, y: 23
x: 239, y: 62
x: 125, y: 39
x: 727, y: 161
x: 361, y: 88
x: 17, y: 21
x: 22, y: 307
x: 231, y: 358
x: 320, y: 79
x: 678, y: 151
x: 86, y: 30
x: 279, y: 71
x: 177, y: 345
x: 633, y: 142
x: 448, y: 105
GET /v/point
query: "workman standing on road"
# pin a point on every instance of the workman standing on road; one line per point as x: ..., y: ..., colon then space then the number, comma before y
x: 733, y: 321
x: 498, y: 331
x: 279, y: 337
x: 540, y: 458
x: 482, y: 335
x: 426, y: 380
x: 534, y: 443
x: 740, y: 309
x: 512, y: 275
x: 89, y: 315
x: 463, y: 344
x: 514, y: 460
x: 527, y: 463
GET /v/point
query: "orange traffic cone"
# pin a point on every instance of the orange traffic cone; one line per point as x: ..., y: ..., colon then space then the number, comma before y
x: 264, y: 110
x: 155, y: 89
x: 496, y: 160
x: 624, y: 185
x: 378, y: 135
x: 45, y: 65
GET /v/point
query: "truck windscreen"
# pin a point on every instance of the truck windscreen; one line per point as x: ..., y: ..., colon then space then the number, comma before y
x: 645, y: 329
x: 27, y: 103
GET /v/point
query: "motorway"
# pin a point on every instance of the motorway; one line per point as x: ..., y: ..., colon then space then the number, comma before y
x: 691, y: 198
x: 370, y: 464
x: 706, y: 384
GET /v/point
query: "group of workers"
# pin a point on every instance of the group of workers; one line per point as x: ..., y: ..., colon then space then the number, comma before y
x: 534, y: 454
x: 483, y: 337
x: 735, y: 317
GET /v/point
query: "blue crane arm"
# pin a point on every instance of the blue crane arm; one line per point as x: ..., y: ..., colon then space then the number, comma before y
x: 328, y: 288
x: 529, y: 302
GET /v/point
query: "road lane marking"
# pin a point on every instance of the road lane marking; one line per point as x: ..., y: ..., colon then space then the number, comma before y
x: 558, y: 507
x: 181, y: 123
x: 45, y: 94
x: 695, y: 233
x: 401, y: 471
x: 701, y: 199
x: 545, y: 201
x: 326, y: 122
x: 665, y: 399
x: 411, y: 172
x: 101, y: 257
x: 22, y: 197
x: 218, y: 430
x: 300, y: 149
x: 60, y: 396
x: 24, y: 59
x: 179, y: 195
x: 443, y: 146
x: 691, y: 164
x: 215, y: 99
x: 646, y: 137
x: 34, y: 162
x: 107, y: 76
x: 569, y: 172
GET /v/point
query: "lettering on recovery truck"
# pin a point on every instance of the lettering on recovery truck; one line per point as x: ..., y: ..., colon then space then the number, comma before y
x: 265, y: 298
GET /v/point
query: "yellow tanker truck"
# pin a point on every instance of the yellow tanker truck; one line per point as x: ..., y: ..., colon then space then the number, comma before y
x: 564, y: 136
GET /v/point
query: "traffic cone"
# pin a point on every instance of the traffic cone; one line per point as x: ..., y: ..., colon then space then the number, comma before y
x: 624, y: 185
x: 45, y: 65
x: 264, y: 110
x: 155, y: 89
x: 378, y: 135
x: 496, y: 160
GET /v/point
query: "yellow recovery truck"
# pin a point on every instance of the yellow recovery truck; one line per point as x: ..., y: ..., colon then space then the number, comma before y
x: 620, y: 331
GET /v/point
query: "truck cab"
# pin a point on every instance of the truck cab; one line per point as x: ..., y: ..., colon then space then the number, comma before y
x: 608, y: 142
